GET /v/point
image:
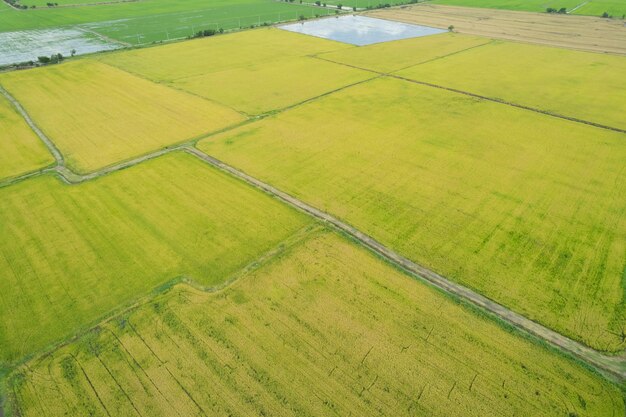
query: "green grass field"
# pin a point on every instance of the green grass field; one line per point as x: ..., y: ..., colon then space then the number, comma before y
x: 541, y: 5
x: 325, y: 328
x: 220, y: 53
x: 154, y: 20
x: 98, y: 115
x: 21, y: 151
x: 70, y: 254
x: 615, y: 8
x: 583, y: 85
x: 522, y: 207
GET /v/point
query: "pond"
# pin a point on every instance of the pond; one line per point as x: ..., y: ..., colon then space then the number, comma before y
x: 360, y: 30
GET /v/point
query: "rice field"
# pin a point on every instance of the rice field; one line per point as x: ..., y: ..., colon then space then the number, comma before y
x: 393, y: 56
x: 264, y: 87
x: 21, y: 151
x: 526, y: 5
x: 583, y: 85
x: 219, y: 53
x: 71, y: 254
x: 144, y: 22
x: 525, y: 208
x: 615, y: 8
x: 324, y: 328
x: 98, y: 115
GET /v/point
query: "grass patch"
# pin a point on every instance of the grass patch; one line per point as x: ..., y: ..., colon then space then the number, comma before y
x: 326, y: 328
x: 522, y: 207
x: 70, y: 254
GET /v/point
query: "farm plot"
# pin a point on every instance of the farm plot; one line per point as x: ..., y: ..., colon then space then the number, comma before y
x: 323, y: 329
x: 393, y: 56
x: 220, y: 53
x: 142, y: 22
x: 71, y: 254
x: 263, y: 87
x: 525, y: 208
x: 615, y: 8
x: 98, y: 115
x: 557, y: 80
x: 21, y: 151
x: 566, y: 31
x: 525, y: 5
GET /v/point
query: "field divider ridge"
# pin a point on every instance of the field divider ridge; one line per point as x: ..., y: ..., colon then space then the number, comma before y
x: 49, y: 144
x: 486, y: 98
x: 613, y: 365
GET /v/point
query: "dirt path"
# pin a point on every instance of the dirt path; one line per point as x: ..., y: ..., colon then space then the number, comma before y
x: 614, y: 365
x: 49, y: 144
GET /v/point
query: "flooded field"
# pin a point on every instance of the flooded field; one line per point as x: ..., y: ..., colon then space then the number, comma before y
x: 27, y: 45
x: 360, y: 30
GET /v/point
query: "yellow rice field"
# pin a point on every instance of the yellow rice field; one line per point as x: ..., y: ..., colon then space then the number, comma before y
x: 219, y: 53
x: 98, y: 115
x: 323, y: 329
x: 265, y: 86
x: 525, y: 208
x: 393, y: 56
x: 584, y: 85
x: 71, y: 254
x: 21, y: 151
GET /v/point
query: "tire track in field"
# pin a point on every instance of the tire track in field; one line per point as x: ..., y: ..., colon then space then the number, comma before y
x: 614, y: 365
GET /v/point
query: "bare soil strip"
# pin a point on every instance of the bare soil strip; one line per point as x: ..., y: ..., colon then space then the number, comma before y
x: 586, y: 33
x: 614, y: 365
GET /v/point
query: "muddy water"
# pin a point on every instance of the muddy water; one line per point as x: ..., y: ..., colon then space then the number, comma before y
x: 27, y: 45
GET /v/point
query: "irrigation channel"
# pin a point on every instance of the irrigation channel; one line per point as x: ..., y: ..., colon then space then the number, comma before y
x: 610, y: 365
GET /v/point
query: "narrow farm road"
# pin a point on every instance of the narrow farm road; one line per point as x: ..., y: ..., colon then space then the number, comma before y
x: 49, y: 144
x: 614, y: 365
x: 610, y: 365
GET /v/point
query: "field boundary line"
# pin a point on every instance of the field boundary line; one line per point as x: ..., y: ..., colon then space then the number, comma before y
x: 49, y: 144
x: 492, y: 99
x: 508, y: 103
x: 614, y: 365
x: 298, y: 236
